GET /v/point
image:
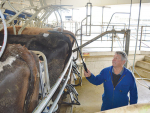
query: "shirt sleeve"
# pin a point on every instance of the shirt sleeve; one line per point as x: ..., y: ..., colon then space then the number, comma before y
x: 96, y: 80
x: 133, y: 92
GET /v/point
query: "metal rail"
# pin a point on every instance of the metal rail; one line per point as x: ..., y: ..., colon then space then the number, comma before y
x: 34, y: 15
x: 61, y: 91
x: 5, y: 34
x: 45, y: 69
x: 113, y: 15
x: 48, y: 97
x: 16, y: 15
x: 97, y: 37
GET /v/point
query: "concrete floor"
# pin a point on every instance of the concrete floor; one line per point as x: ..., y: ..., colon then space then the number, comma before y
x: 90, y: 96
x: 143, y: 92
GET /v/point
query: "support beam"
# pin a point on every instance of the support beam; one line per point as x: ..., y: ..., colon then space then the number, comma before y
x: 127, y: 44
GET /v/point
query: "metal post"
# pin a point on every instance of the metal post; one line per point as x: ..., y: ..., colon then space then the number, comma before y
x: 123, y: 42
x: 14, y: 28
x: 76, y: 27
x: 81, y: 36
x: 88, y: 15
x: 127, y: 44
x: 81, y: 32
x: 112, y: 40
x: 102, y: 20
x: 141, y: 37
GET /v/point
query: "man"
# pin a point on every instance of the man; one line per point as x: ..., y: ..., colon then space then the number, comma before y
x: 117, y: 81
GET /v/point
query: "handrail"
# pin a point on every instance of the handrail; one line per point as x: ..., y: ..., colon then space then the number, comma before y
x: 61, y: 91
x: 45, y: 101
x: 113, y: 15
x: 97, y: 37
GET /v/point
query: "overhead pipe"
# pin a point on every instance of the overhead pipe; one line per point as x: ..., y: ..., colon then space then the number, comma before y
x: 33, y: 16
x: 16, y: 15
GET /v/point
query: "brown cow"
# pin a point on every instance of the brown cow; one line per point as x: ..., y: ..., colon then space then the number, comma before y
x: 57, y: 48
x: 19, y: 80
x: 36, y: 31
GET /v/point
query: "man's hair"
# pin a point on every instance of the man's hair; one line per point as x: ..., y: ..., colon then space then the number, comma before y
x: 123, y: 55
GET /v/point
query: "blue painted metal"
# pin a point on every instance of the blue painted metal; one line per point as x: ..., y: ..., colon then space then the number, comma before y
x: 23, y: 15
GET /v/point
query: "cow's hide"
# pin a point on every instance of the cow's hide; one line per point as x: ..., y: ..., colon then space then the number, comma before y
x: 36, y: 31
x: 19, y: 81
x: 56, y: 47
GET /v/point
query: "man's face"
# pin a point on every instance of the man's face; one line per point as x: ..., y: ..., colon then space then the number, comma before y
x: 117, y: 61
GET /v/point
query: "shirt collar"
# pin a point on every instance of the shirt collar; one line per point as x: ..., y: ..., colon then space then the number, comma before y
x: 120, y: 72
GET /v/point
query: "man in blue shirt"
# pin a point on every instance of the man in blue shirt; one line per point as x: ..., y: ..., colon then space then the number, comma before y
x: 117, y: 81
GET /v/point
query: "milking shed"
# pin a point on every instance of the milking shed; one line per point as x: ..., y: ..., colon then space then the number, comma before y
x: 45, y: 46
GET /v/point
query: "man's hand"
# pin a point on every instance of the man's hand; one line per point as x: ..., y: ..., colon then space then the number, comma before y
x: 87, y: 74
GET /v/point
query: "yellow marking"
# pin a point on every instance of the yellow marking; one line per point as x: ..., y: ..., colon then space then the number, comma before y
x: 86, y: 54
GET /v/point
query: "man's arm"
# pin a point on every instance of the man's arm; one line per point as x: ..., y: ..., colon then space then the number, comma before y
x: 133, y: 92
x: 96, y: 80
